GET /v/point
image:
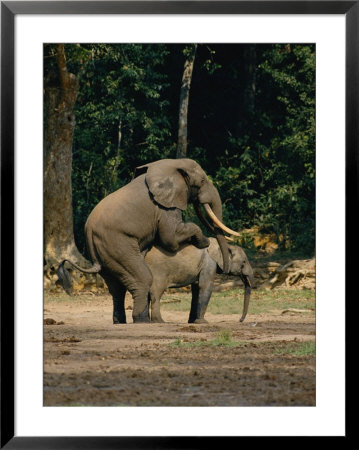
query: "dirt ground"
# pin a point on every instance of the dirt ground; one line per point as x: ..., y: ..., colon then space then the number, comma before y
x: 88, y: 361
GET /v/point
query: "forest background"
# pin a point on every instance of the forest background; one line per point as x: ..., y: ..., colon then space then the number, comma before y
x: 250, y: 124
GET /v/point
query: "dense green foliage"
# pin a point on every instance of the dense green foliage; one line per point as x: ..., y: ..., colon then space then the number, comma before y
x: 251, y: 126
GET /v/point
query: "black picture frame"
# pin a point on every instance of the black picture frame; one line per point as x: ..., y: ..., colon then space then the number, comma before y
x: 9, y: 9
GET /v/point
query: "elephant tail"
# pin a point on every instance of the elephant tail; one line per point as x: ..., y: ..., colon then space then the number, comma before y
x: 64, y: 276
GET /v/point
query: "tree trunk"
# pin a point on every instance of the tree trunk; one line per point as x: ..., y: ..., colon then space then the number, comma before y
x: 60, y: 93
x: 251, y: 77
x: 184, y: 100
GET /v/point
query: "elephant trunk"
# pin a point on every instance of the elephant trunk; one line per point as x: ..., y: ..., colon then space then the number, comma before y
x: 224, y: 249
x: 247, y: 296
x: 215, y: 204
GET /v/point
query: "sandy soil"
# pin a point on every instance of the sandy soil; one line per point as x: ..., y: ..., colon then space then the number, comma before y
x: 90, y: 361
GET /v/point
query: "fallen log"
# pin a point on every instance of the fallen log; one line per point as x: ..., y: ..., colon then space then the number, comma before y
x: 292, y: 273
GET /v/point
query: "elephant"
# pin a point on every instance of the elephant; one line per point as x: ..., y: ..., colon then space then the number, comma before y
x: 196, y: 267
x: 147, y: 211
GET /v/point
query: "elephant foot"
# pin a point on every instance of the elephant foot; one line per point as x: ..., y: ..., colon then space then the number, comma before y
x: 198, y: 321
x: 143, y: 317
x: 157, y: 320
x: 139, y: 319
x: 117, y: 321
x: 202, y: 243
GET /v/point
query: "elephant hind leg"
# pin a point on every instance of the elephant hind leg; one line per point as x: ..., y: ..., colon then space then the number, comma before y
x: 118, y: 292
x: 141, y: 301
x: 126, y: 264
x: 140, y: 291
x: 138, y: 282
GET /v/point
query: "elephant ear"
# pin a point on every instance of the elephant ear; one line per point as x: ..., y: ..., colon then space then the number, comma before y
x: 140, y: 170
x: 215, y: 252
x: 167, y: 183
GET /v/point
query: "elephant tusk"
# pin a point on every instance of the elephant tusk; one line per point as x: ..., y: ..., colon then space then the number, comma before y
x: 218, y: 222
x: 206, y: 223
x: 202, y: 218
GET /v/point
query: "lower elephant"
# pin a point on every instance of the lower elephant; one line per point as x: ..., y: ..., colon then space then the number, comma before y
x: 195, y: 267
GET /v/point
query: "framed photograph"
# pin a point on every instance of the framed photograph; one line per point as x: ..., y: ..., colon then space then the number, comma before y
x: 270, y: 91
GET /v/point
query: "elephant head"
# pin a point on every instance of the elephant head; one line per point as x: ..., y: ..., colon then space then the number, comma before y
x: 238, y: 266
x: 173, y: 183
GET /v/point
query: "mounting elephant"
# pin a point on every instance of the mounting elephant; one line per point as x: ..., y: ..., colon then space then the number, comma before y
x: 198, y: 268
x: 148, y: 210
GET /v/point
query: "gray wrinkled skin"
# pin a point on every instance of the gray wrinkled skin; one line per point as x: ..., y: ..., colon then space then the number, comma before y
x: 195, y: 267
x: 147, y: 211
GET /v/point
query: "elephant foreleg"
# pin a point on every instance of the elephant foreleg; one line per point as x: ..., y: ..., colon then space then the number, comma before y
x: 201, y: 293
x: 199, y: 305
x: 173, y: 232
x: 193, y: 314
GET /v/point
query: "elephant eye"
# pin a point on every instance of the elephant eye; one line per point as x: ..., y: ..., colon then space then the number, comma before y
x: 202, y: 181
